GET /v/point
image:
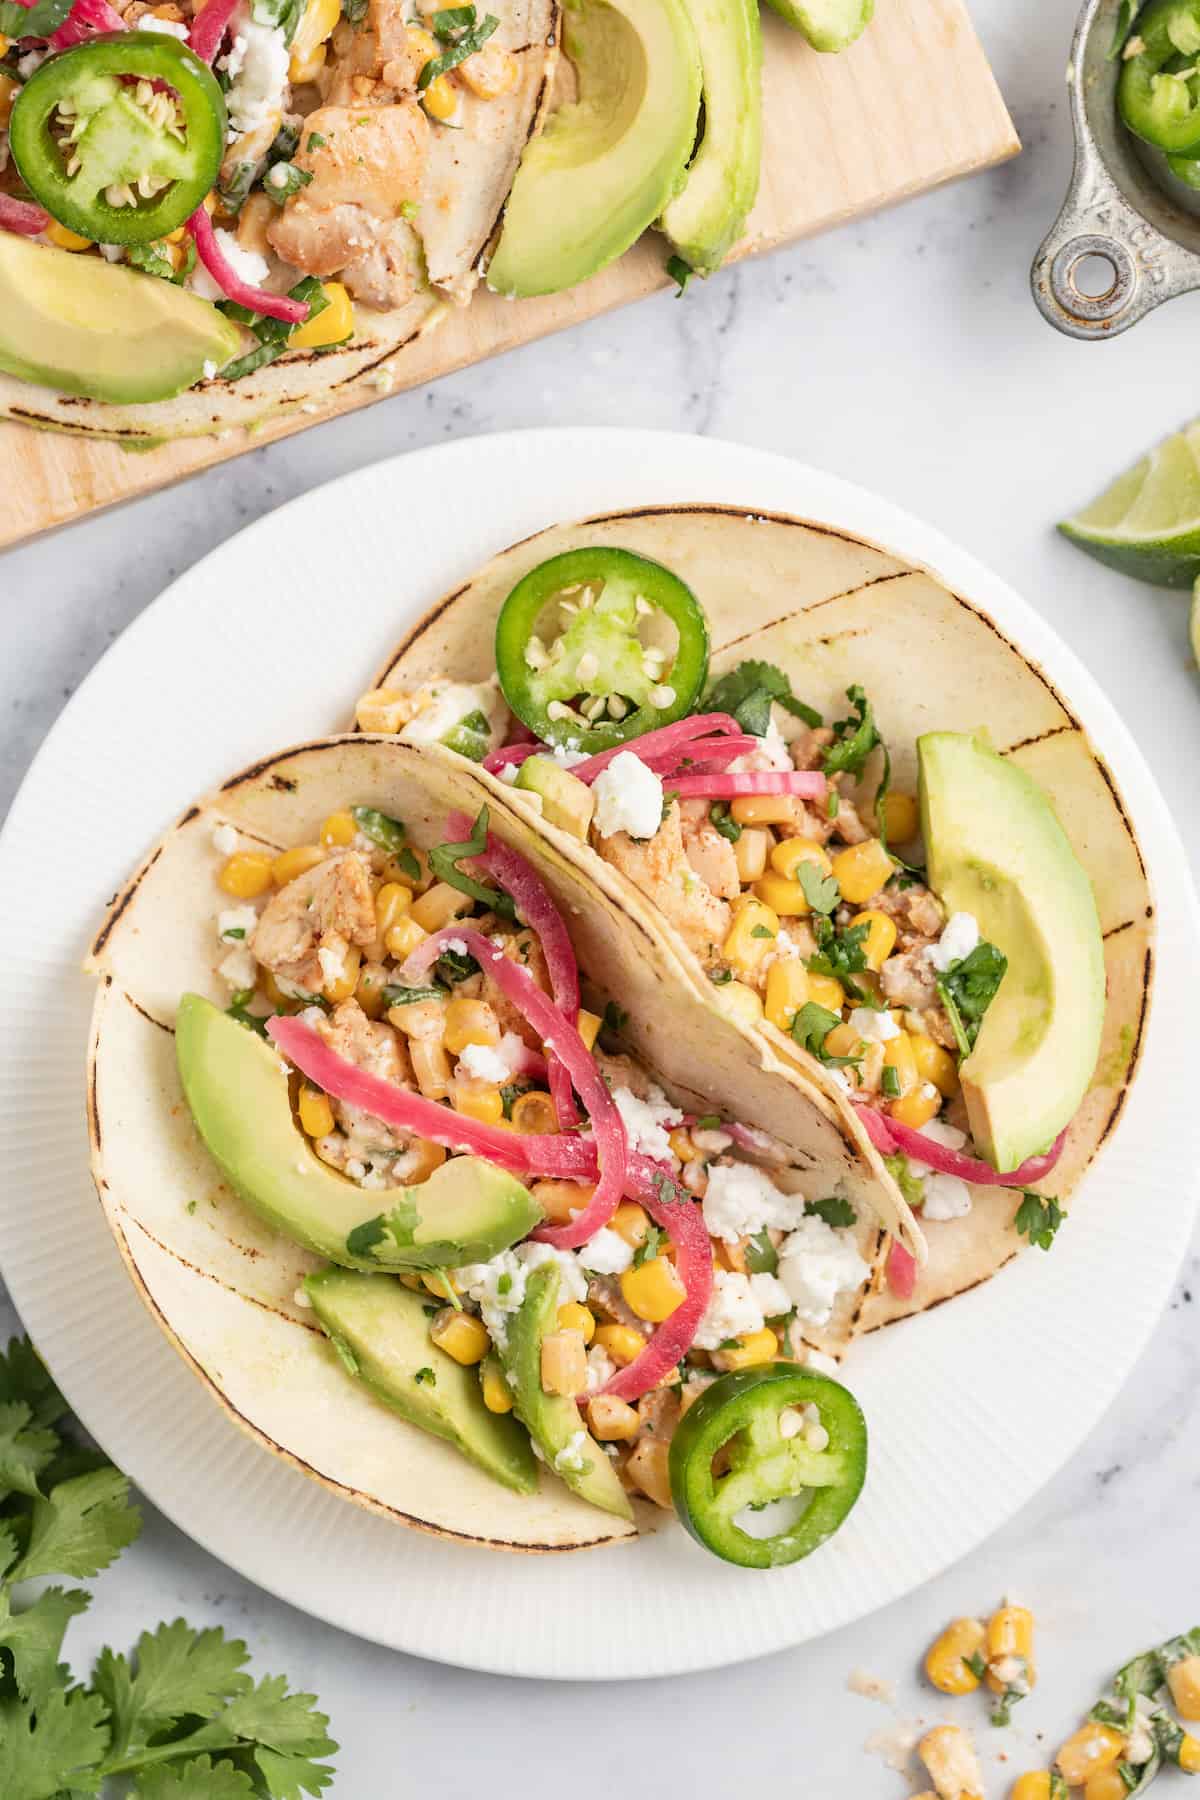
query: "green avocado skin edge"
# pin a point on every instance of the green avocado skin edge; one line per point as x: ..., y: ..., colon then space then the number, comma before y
x: 829, y: 25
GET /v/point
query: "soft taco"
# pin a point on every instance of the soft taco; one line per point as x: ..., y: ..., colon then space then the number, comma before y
x: 357, y: 160
x: 407, y: 1132
x: 860, y: 821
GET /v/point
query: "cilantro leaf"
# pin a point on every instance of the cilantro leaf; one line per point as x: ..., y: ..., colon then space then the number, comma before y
x: 267, y: 1714
x: 179, y: 1671
x: 762, y: 1258
x: 911, y: 1186
x: 80, y: 1527
x: 977, y: 1665
x: 444, y: 860
x: 647, y: 1250
x: 835, y: 1211
x: 239, y: 1009
x: 290, y: 1777
x: 52, y: 1746
x: 200, y: 1778
x: 821, y: 891
x: 24, y: 1376
x: 25, y: 1449
x: 811, y: 1026
x: 722, y: 821
x: 968, y: 988
x: 1038, y: 1218
x: 854, y: 737
x: 747, y: 693
x: 33, y: 1639
x: 462, y: 43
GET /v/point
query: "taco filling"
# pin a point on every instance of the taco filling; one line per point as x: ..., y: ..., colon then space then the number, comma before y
x: 932, y: 954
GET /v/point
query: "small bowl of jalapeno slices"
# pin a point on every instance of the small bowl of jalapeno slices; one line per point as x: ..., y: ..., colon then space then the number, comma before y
x: 1128, y: 236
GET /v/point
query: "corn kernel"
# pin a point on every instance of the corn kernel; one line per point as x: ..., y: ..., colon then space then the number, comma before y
x: 295, y: 862
x: 750, y: 852
x: 1010, y: 1633
x: 648, y: 1468
x: 440, y: 1282
x: 338, y: 831
x: 934, y: 1064
x: 316, y: 23
x: 392, y: 902
x: 246, y: 875
x: 899, y: 1054
x: 612, y: 1421
x: 334, y: 322
x: 490, y: 72
x: 588, y: 1026
x: 631, y: 1222
x: 560, y: 1200
x: 1106, y: 1784
x: 861, y: 870
x: 475, y: 1101
x: 843, y: 1040
x: 369, y: 990
x: 787, y: 857
x: 1189, y: 1754
x: 880, y: 940
x: 440, y: 907
x: 316, y: 1114
x: 497, y: 1396
x: 949, y: 1755
x: 383, y: 710
x: 1093, y: 1747
x: 306, y: 68
x: 403, y: 937
x: 739, y: 1003
x: 787, y: 898
x: 66, y: 240
x: 564, y: 1364
x: 534, y: 1114
x: 946, y: 1661
x: 400, y: 868
x: 752, y: 935
x: 429, y: 1156
x: 431, y: 1066
x: 787, y: 991
x: 755, y: 1348
x: 682, y: 1145
x: 826, y: 992
x: 470, y: 1022
x: 9, y: 89
x: 574, y: 1317
x: 343, y: 985
x: 654, y: 1290
x: 1183, y: 1679
x: 439, y: 99
x: 763, y: 809
x: 901, y: 817
x: 916, y: 1109
x: 622, y: 1342
x: 1033, y: 1786
x: 461, y: 1335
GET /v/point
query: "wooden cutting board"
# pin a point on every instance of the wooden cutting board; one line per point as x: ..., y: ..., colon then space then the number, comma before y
x: 913, y: 104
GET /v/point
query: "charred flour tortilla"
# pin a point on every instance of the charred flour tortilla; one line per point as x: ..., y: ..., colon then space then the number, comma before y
x: 223, y: 1287
x: 470, y: 169
x: 832, y: 610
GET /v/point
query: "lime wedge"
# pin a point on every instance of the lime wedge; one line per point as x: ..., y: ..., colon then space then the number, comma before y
x: 1147, y: 524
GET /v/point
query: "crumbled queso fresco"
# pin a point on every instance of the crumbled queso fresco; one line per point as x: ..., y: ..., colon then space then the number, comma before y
x: 946, y: 1196
x: 648, y: 1121
x: 740, y: 1304
x: 629, y: 797
x: 607, y: 1253
x: 498, y: 1287
x: 960, y: 937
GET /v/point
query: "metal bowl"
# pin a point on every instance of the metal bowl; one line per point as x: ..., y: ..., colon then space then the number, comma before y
x: 1126, y: 222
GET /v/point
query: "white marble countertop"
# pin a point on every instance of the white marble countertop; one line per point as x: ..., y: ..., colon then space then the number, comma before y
x: 905, y: 354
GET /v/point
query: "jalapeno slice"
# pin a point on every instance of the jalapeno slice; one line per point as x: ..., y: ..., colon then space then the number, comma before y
x: 740, y: 1419
x: 120, y: 138
x: 600, y: 682
x: 1159, y: 90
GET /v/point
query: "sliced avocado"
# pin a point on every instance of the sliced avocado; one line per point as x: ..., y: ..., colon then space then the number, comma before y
x: 381, y: 1332
x: 553, y: 1421
x: 706, y: 219
x: 996, y: 850
x: 827, y: 24
x: 87, y: 326
x: 467, y: 1212
x: 606, y: 165
x: 566, y: 801
x: 237, y: 1089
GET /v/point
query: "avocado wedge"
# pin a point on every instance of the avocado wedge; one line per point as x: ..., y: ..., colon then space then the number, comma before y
x: 996, y: 850
x: 553, y: 1422
x: 827, y: 24
x: 237, y: 1089
x: 706, y: 219
x: 381, y: 1332
x: 90, y: 327
x: 607, y: 165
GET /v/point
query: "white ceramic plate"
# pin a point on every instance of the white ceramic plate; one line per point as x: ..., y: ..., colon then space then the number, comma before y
x: 269, y: 640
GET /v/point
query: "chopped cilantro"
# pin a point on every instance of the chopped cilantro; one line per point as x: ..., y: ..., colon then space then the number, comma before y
x: 425, y: 1377
x: 747, y: 693
x: 456, y: 28
x: 835, y: 1211
x: 444, y: 860
x: 454, y: 966
x: 239, y: 1009
x: 315, y: 141
x: 648, y: 1249
x: 977, y: 1665
x: 821, y: 891
x: 721, y: 820
x: 395, y: 995
x: 1038, y: 1218
x: 854, y: 737
x: 841, y: 955
x: 761, y: 931
x: 282, y: 180
x: 811, y: 1026
x: 968, y: 988
x: 762, y: 1258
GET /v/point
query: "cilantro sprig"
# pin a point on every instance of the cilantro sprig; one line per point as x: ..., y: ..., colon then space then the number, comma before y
x: 811, y: 1026
x: 1038, y: 1218
x: 181, y: 1718
x: 444, y: 860
x: 747, y: 693
x: 456, y: 28
x: 968, y: 988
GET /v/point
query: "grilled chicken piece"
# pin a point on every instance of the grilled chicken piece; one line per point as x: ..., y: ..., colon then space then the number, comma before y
x: 710, y: 854
x: 351, y: 218
x: 325, y: 910
x: 377, y: 1049
x: 660, y: 868
x: 379, y: 52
